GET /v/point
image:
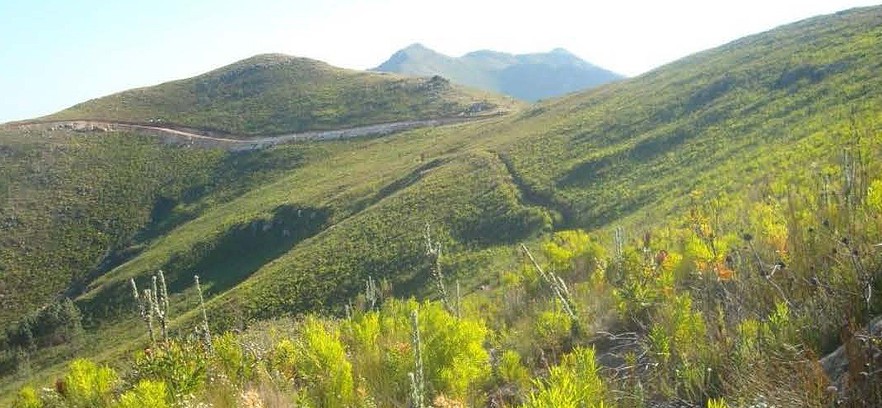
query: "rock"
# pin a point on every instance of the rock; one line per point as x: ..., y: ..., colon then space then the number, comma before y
x: 836, y: 364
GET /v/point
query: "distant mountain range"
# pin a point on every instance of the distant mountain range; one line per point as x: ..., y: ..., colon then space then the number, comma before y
x: 528, y: 77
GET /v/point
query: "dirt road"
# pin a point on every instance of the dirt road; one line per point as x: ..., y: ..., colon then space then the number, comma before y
x: 197, y: 138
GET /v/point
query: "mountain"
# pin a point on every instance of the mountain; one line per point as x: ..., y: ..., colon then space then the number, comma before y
x: 746, y: 132
x: 274, y: 94
x: 529, y: 77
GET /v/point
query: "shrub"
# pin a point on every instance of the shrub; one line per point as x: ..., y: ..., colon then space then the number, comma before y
x: 87, y: 385
x: 455, y: 362
x: 27, y: 398
x: 147, y: 393
x: 232, y: 359
x: 874, y: 196
x: 283, y: 359
x: 676, y: 340
x: 382, y: 352
x: 181, y: 365
x: 573, y: 383
x: 571, y: 253
x: 717, y: 403
x: 323, y: 367
x: 453, y: 351
x: 552, y: 328
x: 511, y: 370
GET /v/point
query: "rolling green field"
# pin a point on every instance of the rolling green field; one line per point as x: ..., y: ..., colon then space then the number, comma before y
x: 739, y: 152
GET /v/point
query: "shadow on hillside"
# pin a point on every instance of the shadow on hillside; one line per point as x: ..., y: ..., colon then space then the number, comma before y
x: 243, y: 249
x: 221, y: 263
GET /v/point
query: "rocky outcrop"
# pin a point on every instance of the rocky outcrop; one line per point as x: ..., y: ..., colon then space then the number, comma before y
x: 858, y: 362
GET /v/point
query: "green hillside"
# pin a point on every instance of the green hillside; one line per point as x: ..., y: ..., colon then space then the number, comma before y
x: 737, y: 153
x: 528, y: 77
x: 75, y: 206
x: 274, y: 94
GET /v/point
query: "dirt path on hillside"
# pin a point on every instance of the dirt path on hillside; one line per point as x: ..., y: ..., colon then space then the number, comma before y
x: 197, y: 138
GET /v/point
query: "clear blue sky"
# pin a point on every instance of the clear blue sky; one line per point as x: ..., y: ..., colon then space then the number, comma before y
x: 54, y: 53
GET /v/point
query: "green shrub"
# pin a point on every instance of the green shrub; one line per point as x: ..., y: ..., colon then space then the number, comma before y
x: 88, y: 385
x: 573, y: 383
x: 512, y: 371
x: 874, y: 196
x: 382, y: 353
x: 453, y: 351
x: 232, y: 360
x: 552, y: 328
x: 572, y: 253
x: 677, y: 340
x: 181, y: 365
x: 323, y: 367
x: 283, y: 359
x: 147, y: 393
x: 455, y: 363
x: 27, y: 398
x: 717, y: 403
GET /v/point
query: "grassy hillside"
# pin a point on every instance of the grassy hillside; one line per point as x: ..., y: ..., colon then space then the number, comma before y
x: 74, y: 206
x: 275, y: 94
x: 771, y: 133
x: 528, y: 77
x: 760, y: 107
x: 599, y: 159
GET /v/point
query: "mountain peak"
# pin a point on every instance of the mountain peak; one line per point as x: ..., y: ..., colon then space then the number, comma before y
x: 560, y: 50
x: 416, y: 47
x: 527, y: 77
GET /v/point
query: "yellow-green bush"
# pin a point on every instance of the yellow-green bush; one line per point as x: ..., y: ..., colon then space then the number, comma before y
x: 572, y: 252
x: 322, y: 365
x: 232, y: 359
x: 455, y: 362
x: 183, y: 366
x: 283, y: 359
x: 88, y: 385
x: 717, y: 403
x: 574, y: 383
x: 678, y: 341
x: 553, y: 328
x: 453, y: 351
x: 147, y: 393
x: 381, y: 353
x: 512, y: 371
x: 27, y: 398
x: 874, y: 196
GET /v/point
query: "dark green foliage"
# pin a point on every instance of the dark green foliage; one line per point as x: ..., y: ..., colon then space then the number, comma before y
x: 59, y: 322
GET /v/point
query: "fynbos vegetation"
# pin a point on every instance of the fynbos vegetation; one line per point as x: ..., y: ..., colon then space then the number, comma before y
x: 707, y: 234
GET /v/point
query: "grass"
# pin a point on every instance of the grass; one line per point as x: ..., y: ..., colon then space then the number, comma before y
x: 775, y: 118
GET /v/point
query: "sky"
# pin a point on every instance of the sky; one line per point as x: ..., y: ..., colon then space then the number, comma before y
x: 56, y: 53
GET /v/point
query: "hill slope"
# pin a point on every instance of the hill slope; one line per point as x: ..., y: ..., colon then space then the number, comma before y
x: 718, y: 122
x: 274, y: 94
x: 749, y: 119
x: 528, y: 77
